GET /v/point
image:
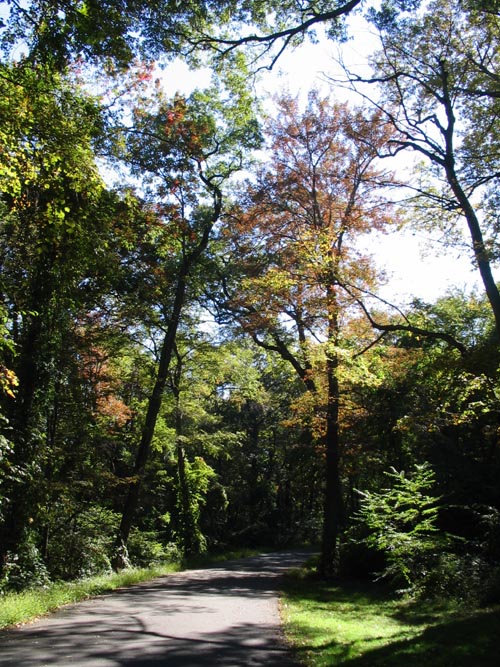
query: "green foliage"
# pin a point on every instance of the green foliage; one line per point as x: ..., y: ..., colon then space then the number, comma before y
x: 89, y: 278
x: 83, y: 547
x: 25, y: 568
x: 7, y: 470
x: 199, y: 476
x: 465, y: 577
x: 60, y: 235
x: 113, y: 32
x: 401, y: 523
x: 145, y: 550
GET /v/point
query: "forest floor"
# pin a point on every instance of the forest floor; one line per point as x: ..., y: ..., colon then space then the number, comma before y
x: 362, y: 625
x: 225, y: 615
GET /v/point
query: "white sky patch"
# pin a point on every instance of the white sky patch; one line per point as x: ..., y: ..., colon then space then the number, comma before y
x: 177, y: 77
x: 417, y: 267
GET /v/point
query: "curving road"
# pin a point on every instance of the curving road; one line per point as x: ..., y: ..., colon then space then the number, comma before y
x: 224, y: 616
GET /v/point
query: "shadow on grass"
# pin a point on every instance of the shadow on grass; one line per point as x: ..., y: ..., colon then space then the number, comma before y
x: 309, y: 587
x: 431, y: 634
x: 472, y: 642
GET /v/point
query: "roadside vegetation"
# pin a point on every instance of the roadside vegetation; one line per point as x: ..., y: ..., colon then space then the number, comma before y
x: 26, y: 606
x: 197, y: 346
x: 407, y: 592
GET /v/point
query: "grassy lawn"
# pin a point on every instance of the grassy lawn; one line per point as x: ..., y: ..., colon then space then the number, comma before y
x: 360, y: 625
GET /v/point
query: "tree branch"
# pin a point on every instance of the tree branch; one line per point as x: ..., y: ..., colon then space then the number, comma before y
x: 418, y: 331
x: 287, y: 34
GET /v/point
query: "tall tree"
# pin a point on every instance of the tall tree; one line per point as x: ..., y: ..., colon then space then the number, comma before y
x: 440, y: 91
x: 186, y: 151
x: 294, y: 236
x: 56, y: 217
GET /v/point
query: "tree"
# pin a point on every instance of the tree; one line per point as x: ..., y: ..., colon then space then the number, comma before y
x: 188, y: 149
x: 117, y: 31
x: 243, y: 398
x: 440, y: 93
x: 189, y: 388
x: 293, y: 237
x: 428, y: 403
x: 401, y: 521
x: 8, y: 384
x: 55, y: 229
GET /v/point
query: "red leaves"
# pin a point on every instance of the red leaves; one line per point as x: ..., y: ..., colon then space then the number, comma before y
x: 182, y: 132
x: 171, y: 119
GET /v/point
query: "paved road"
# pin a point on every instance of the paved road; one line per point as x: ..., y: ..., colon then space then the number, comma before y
x: 224, y: 616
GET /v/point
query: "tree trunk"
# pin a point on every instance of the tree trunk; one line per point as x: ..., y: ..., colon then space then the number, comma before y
x: 154, y: 405
x: 155, y: 400
x: 333, y: 502
x: 190, y: 542
x: 481, y: 253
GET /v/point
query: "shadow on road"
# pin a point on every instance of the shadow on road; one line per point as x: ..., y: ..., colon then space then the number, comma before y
x: 196, y: 618
x: 242, y: 645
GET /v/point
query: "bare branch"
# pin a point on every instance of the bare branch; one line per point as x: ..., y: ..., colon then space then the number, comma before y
x: 286, y: 34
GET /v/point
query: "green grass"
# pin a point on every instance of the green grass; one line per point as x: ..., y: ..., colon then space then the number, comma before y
x: 360, y: 625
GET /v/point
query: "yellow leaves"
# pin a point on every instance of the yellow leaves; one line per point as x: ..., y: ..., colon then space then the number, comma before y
x: 274, y: 280
x: 8, y: 381
x: 307, y: 411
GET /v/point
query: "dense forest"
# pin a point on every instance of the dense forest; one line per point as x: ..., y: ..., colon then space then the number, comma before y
x: 194, y: 351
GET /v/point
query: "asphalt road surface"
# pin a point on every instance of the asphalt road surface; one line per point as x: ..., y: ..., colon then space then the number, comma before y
x: 223, y: 616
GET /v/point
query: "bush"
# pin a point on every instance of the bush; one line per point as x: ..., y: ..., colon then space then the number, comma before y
x: 84, y: 548
x: 24, y: 569
x: 144, y: 550
x: 400, y: 523
x: 472, y: 572
x: 462, y: 577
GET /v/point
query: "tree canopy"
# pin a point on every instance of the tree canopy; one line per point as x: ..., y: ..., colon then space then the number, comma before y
x: 194, y: 351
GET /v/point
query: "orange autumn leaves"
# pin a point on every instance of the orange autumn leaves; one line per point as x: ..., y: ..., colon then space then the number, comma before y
x: 296, y: 226
x: 294, y: 236
x: 186, y: 133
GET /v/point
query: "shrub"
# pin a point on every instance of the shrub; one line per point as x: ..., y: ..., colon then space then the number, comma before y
x: 463, y: 577
x: 84, y: 548
x: 25, y: 568
x: 400, y: 522
x: 145, y: 550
